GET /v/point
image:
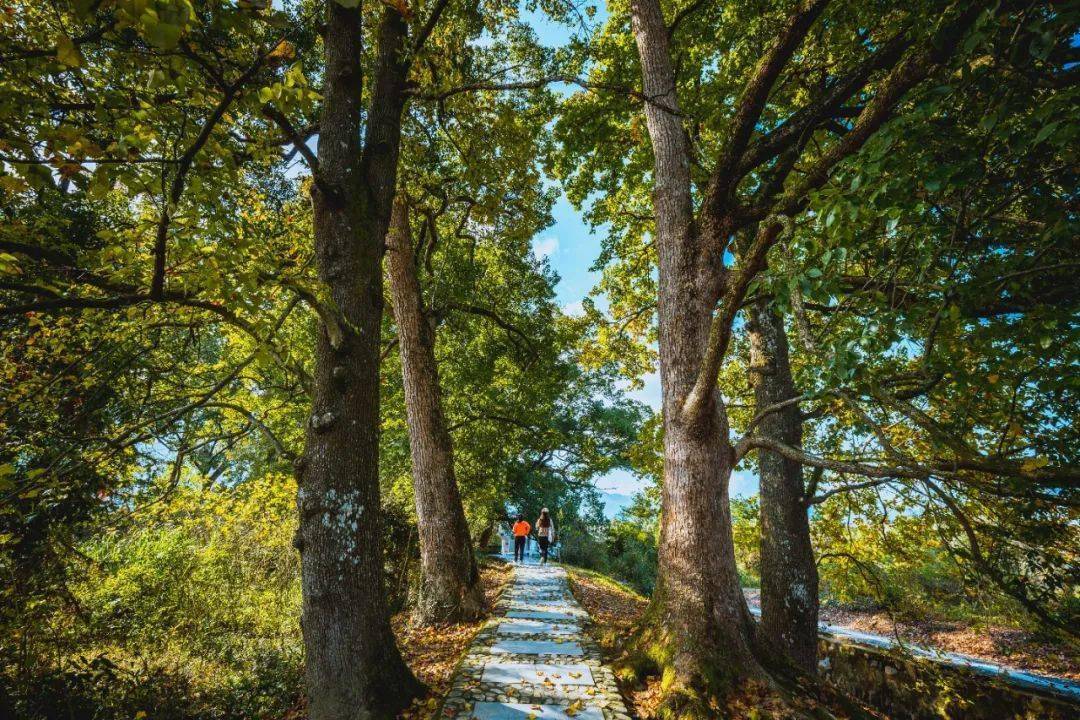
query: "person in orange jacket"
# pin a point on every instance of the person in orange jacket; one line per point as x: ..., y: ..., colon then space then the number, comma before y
x: 521, y: 534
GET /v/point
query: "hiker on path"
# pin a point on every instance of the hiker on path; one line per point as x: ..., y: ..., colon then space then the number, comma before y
x: 545, y: 534
x: 521, y: 534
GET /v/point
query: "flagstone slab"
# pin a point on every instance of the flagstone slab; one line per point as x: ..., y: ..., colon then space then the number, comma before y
x: 510, y: 673
x: 560, y: 605
x: 524, y: 711
x: 537, y: 647
x: 542, y: 615
x: 536, y: 627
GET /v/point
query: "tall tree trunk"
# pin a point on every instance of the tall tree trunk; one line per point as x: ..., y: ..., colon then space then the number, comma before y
x: 789, y: 579
x: 700, y: 629
x: 450, y: 588
x: 354, y: 669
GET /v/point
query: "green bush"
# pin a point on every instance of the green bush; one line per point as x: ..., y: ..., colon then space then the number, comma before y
x: 190, y: 612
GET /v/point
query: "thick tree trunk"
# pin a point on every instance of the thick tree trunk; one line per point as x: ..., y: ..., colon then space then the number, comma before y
x: 354, y: 669
x: 789, y: 579
x: 700, y: 628
x: 450, y: 588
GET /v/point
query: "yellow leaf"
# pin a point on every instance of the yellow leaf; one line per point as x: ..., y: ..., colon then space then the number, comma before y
x: 68, y: 52
x: 284, y: 50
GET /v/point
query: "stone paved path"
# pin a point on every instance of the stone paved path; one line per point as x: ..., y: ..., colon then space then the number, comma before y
x: 533, y: 660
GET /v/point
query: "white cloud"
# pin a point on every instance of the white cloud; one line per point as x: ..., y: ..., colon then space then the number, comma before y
x: 545, y: 247
x: 576, y: 308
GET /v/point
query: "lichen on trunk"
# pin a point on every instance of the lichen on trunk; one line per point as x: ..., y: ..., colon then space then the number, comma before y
x: 353, y: 666
x: 789, y: 578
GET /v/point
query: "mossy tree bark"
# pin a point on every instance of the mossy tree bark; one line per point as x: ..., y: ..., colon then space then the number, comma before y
x: 789, y: 578
x: 353, y: 666
x: 450, y: 589
x: 700, y: 628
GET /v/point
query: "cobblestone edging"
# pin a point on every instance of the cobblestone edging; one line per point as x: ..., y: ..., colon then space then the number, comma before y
x: 533, y: 659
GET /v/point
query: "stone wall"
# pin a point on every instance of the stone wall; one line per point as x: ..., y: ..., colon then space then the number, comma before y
x: 908, y: 688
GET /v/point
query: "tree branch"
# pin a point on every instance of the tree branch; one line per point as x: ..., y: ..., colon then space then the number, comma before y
x: 754, y: 97
x: 751, y: 262
x: 490, y: 315
x: 433, y: 19
x: 536, y: 85
x: 823, y: 108
x: 911, y: 70
x: 298, y: 142
x: 157, y: 282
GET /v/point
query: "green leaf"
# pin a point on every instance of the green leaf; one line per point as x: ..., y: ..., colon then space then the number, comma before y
x: 162, y: 35
x: 830, y: 219
x: 1045, y: 132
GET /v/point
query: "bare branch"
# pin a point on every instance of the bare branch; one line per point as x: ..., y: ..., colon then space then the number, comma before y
x: 33, y: 53
x: 827, y: 106
x: 298, y: 141
x: 287, y: 454
x: 157, y: 283
x: 818, y: 499
x: 681, y: 15
x: 911, y: 70
x: 490, y: 315
x: 775, y: 407
x: 884, y: 472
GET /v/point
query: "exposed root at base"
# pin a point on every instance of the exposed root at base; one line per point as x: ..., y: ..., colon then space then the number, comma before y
x: 643, y: 662
x: 715, y: 689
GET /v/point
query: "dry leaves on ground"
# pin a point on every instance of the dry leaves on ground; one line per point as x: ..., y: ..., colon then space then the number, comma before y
x: 433, y: 652
x: 616, y: 611
x: 1008, y: 646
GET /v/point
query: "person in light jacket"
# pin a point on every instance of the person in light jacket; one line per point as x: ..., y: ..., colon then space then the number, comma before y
x: 545, y: 534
